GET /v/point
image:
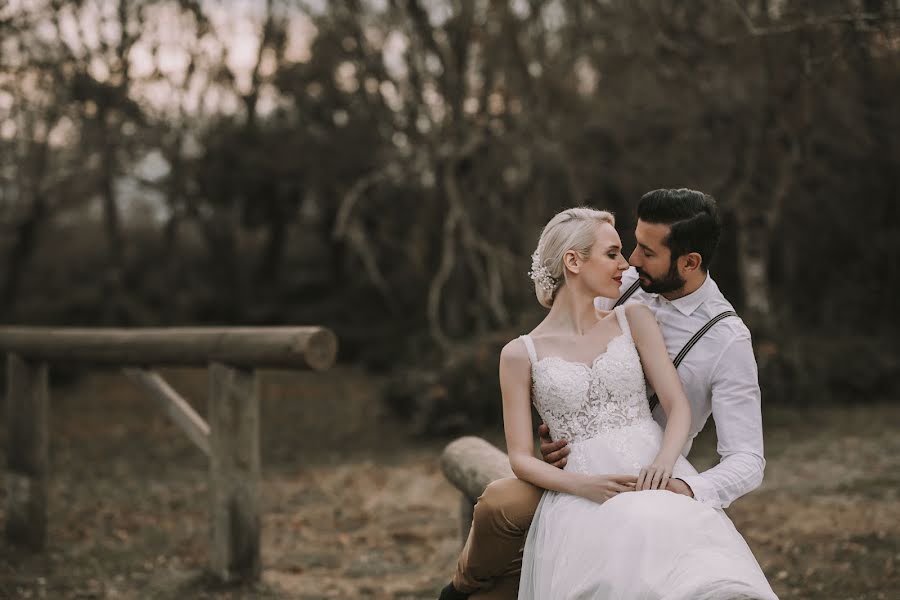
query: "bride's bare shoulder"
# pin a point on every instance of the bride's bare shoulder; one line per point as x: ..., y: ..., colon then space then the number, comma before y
x: 642, y: 322
x: 515, y: 348
x: 637, y: 311
x: 514, y: 352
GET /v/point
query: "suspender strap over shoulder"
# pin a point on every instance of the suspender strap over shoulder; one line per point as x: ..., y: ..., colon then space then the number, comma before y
x: 700, y: 333
x: 654, y: 400
x: 627, y: 293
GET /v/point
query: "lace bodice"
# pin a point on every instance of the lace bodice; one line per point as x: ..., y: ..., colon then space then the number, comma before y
x: 578, y: 401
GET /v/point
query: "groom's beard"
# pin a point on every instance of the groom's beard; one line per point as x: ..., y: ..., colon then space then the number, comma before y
x: 670, y: 282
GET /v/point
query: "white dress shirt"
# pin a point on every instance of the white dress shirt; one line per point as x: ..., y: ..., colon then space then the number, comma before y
x: 719, y: 378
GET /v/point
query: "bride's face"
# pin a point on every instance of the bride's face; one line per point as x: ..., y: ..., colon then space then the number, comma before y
x: 601, y: 273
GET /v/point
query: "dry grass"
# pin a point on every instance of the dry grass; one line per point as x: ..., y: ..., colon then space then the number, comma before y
x: 353, y: 508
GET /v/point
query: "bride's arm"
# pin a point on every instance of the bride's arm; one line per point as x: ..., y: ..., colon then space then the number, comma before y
x: 515, y: 386
x: 661, y: 374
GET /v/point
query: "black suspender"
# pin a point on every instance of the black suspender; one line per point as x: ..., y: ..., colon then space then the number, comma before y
x: 627, y: 293
x: 654, y: 400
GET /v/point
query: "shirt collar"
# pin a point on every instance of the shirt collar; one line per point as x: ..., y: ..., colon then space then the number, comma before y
x: 686, y: 305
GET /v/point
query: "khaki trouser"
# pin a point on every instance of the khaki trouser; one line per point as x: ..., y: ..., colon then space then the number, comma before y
x: 491, y: 561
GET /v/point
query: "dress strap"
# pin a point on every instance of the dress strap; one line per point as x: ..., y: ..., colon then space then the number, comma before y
x: 623, y: 320
x: 532, y: 354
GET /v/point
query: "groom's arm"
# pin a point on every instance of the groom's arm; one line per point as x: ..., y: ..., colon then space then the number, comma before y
x: 736, y: 410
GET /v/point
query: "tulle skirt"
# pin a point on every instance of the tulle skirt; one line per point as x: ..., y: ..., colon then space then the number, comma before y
x: 639, y: 545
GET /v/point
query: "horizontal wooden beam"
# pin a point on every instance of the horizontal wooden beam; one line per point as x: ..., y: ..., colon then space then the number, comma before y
x: 247, y: 347
x: 177, y: 408
x: 471, y: 463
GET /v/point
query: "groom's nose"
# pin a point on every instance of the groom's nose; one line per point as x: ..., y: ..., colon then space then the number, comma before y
x: 633, y: 259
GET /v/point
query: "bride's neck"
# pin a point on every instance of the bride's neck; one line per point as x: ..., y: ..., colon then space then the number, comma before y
x: 572, y: 311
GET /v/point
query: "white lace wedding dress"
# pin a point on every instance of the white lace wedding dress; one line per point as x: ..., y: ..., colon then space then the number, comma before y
x: 639, y: 545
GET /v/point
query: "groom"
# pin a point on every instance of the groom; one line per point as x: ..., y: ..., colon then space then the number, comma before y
x: 677, y: 233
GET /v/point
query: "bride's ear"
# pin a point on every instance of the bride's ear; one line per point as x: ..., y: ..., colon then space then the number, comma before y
x: 571, y: 261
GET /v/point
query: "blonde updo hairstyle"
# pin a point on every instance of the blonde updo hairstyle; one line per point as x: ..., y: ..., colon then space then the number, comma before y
x: 571, y: 229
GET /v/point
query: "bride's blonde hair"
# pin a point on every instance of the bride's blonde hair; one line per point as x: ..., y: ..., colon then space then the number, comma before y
x: 572, y: 229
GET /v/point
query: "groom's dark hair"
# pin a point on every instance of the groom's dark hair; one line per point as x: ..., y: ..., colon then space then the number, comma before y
x: 692, y: 216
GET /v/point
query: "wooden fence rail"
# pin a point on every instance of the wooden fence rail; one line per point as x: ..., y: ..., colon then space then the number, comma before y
x: 229, y: 436
x: 250, y: 347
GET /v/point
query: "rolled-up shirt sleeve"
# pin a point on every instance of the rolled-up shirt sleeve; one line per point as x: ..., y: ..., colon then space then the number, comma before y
x: 736, y: 409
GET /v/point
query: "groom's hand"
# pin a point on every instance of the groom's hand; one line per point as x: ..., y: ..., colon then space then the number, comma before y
x: 680, y: 487
x: 556, y: 452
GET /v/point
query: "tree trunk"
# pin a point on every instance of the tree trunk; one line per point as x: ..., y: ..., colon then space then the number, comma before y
x: 221, y: 233
x: 21, y: 253
x: 753, y: 237
x: 753, y: 207
x: 268, y: 270
x: 26, y: 233
x: 113, y: 279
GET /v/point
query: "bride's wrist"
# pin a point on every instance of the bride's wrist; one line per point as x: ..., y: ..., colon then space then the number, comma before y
x: 579, y: 480
x: 666, y: 459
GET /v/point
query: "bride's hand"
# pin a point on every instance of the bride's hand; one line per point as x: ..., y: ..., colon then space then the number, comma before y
x: 601, y: 488
x: 654, y: 476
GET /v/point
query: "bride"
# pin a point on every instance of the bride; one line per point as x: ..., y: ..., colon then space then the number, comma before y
x: 605, y: 527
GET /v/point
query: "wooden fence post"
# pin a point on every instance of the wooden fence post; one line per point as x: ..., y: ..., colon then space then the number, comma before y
x: 27, y: 408
x: 234, y: 472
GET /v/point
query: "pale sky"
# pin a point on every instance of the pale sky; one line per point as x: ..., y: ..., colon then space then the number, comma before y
x: 162, y: 46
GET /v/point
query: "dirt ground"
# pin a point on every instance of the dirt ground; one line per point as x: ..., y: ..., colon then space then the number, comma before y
x: 355, y: 508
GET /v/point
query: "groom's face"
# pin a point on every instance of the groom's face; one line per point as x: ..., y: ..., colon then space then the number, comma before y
x: 653, y: 260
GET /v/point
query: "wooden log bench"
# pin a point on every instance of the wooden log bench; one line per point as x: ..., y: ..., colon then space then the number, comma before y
x: 470, y: 463
x: 229, y: 436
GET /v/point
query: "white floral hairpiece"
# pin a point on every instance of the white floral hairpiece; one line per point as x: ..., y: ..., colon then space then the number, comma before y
x: 540, y: 274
